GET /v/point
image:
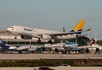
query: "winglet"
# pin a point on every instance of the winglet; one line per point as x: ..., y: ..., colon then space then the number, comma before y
x: 88, y: 29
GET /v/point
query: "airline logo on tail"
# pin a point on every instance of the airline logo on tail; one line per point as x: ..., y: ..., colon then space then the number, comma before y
x: 1, y: 43
x: 79, y: 27
x: 92, y: 42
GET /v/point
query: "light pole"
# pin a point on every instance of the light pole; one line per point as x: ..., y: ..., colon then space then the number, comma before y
x: 6, y: 37
x: 30, y: 42
x: 76, y: 38
x: 95, y: 37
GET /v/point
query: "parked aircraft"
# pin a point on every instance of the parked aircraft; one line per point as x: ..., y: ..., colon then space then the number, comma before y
x: 63, y: 46
x: 5, y: 47
x: 93, y: 48
x: 42, y: 34
x: 58, y: 46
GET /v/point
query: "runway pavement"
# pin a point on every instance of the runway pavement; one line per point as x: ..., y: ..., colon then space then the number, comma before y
x: 50, y: 56
x: 55, y: 68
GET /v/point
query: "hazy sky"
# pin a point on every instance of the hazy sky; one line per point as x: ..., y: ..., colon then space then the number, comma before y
x: 52, y: 14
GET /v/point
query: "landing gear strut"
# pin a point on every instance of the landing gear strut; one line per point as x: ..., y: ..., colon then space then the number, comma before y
x: 50, y: 41
x: 15, y: 37
x: 39, y: 41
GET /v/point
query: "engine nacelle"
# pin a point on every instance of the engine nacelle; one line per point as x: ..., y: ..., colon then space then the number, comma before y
x: 44, y: 36
x: 26, y: 37
x: 65, y: 37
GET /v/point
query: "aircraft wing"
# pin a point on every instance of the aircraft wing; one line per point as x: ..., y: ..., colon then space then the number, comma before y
x: 83, y: 34
x: 22, y: 48
x: 60, y: 33
x: 86, y: 34
x: 66, y: 33
x: 53, y: 34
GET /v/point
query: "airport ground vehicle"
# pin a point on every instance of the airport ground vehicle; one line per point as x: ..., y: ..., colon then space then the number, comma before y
x: 62, y: 65
x: 44, y: 68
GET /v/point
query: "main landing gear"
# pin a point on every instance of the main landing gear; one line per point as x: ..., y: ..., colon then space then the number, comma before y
x: 49, y: 41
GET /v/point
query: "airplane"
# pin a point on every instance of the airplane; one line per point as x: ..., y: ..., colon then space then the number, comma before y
x: 43, y: 34
x: 5, y: 47
x: 92, y: 47
x: 71, y: 44
x: 66, y: 44
x: 58, y: 46
x: 63, y: 46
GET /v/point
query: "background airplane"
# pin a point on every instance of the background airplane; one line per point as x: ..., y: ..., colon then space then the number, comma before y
x: 11, y: 48
x: 6, y: 47
x: 62, y: 46
x: 42, y: 34
x: 92, y: 48
x: 65, y: 44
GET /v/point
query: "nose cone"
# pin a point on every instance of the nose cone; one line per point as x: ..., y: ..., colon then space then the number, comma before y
x: 10, y: 29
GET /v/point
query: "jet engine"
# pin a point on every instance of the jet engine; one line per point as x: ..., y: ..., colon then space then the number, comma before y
x: 45, y: 36
x: 26, y: 37
x: 87, y: 50
x: 97, y: 51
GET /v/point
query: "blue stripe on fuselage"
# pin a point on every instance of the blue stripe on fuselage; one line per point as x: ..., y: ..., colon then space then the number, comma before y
x: 76, y: 31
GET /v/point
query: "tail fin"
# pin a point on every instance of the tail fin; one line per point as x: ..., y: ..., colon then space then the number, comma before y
x: 1, y: 43
x: 79, y: 27
x: 92, y: 42
x: 63, y: 29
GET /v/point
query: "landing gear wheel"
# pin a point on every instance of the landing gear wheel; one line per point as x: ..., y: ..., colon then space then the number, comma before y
x: 50, y: 41
x: 15, y: 38
x: 39, y: 41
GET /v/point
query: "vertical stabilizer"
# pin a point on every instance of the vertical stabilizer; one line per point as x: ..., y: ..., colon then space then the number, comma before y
x: 92, y: 42
x: 1, y: 43
x: 79, y: 27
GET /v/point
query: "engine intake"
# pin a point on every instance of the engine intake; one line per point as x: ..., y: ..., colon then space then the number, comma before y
x: 26, y: 37
x: 46, y: 37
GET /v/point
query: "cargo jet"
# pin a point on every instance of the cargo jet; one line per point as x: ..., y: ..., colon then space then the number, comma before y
x: 42, y: 34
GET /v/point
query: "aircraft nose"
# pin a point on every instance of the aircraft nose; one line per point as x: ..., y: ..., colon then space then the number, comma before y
x: 10, y: 29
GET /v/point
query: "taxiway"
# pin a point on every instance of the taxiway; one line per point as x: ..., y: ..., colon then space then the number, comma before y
x: 50, y: 56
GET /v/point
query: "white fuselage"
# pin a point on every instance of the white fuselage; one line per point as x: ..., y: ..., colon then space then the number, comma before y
x: 29, y: 31
x: 22, y: 30
x: 62, y: 45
